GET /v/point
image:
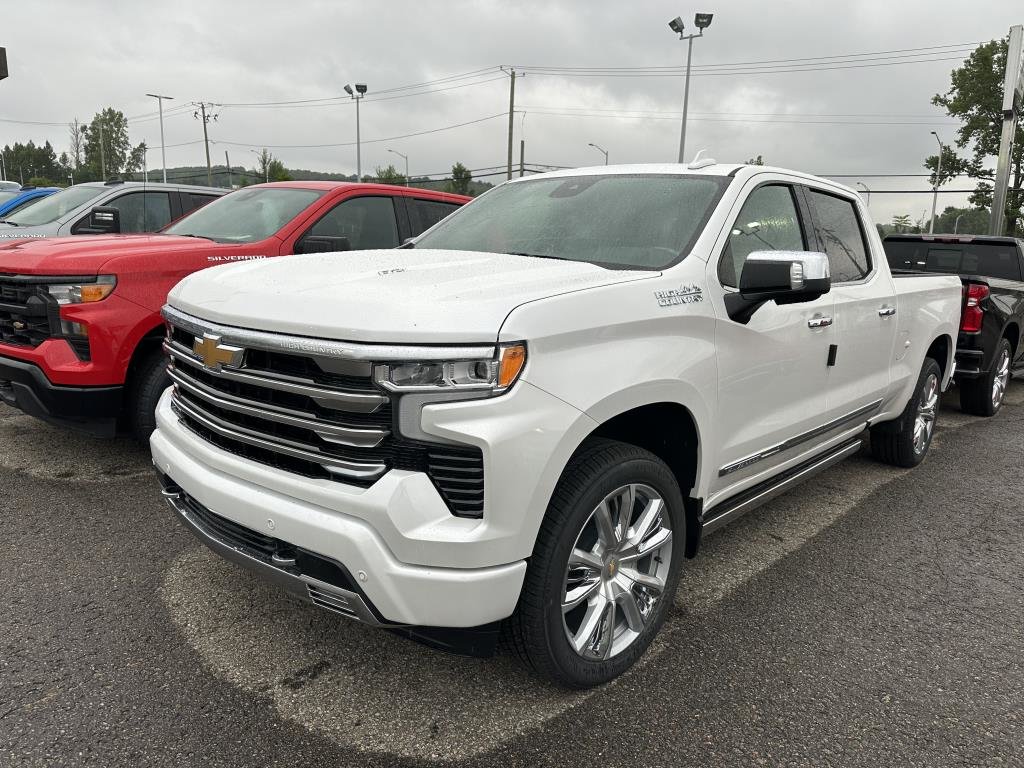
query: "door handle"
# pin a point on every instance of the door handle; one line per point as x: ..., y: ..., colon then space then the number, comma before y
x: 887, y: 311
x: 819, y: 322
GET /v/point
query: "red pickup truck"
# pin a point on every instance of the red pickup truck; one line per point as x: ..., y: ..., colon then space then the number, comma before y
x: 80, y: 325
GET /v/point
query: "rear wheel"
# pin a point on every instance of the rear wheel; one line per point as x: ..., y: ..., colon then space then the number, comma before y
x: 604, y: 568
x: 984, y: 396
x: 148, y: 383
x: 905, y: 441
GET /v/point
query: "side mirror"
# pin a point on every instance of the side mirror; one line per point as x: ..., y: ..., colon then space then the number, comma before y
x: 104, y: 220
x: 322, y: 244
x: 785, y: 277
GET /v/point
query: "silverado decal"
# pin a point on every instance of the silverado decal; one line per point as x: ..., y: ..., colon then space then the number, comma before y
x: 684, y: 294
x: 234, y: 258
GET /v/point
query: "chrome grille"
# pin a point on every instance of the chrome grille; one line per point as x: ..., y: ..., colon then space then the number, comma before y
x: 316, y: 415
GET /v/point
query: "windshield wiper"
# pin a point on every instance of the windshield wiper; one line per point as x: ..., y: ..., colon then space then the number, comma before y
x: 12, y: 223
x: 200, y: 237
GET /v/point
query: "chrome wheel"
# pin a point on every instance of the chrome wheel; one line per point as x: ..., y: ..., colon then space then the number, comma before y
x: 1001, y: 380
x: 617, y: 571
x: 927, y: 408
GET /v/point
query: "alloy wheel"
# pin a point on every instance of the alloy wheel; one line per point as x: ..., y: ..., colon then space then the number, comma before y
x: 1001, y: 380
x: 616, y: 572
x: 927, y: 408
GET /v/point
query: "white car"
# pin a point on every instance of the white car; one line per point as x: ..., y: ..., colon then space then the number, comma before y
x: 533, y: 415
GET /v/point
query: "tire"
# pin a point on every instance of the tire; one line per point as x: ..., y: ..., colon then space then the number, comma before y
x: 538, y: 631
x: 898, y: 442
x: 984, y: 395
x: 149, y: 381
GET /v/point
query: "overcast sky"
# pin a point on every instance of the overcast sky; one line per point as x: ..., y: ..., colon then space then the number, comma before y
x: 70, y: 59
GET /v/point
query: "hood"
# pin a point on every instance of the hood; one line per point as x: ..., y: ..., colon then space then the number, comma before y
x: 85, y: 254
x: 399, y: 296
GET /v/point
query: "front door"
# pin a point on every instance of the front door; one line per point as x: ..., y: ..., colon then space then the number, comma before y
x: 773, y: 368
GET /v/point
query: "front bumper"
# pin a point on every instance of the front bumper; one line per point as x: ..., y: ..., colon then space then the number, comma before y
x: 361, y: 529
x: 95, y: 410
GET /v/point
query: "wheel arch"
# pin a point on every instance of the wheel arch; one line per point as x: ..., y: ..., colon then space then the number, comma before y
x: 942, y: 350
x: 1012, y: 334
x: 146, y: 342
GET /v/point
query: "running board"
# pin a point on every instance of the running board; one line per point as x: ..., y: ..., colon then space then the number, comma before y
x: 738, y: 505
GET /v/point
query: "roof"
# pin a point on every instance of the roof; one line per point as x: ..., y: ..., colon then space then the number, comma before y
x: 325, y: 185
x: 674, y: 169
x: 152, y: 185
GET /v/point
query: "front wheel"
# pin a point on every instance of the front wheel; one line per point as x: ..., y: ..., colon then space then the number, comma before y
x: 905, y: 442
x: 605, y: 566
x: 147, y: 385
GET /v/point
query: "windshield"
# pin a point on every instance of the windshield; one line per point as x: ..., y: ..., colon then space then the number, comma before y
x: 245, y: 216
x: 988, y: 259
x: 640, y: 221
x: 55, y: 206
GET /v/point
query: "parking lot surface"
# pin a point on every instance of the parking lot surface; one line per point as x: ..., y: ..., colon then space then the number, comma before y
x: 871, y: 617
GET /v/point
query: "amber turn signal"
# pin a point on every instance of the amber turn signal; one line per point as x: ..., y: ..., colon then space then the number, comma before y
x: 510, y: 364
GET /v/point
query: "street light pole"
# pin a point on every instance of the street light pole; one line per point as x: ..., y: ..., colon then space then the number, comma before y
x: 702, y: 21
x: 601, y: 150
x: 359, y: 93
x: 867, y: 193
x: 406, y: 158
x: 935, y: 187
x: 160, y: 106
x: 956, y: 224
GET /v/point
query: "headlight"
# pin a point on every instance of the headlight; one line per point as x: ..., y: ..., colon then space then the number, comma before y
x: 83, y: 292
x: 492, y: 375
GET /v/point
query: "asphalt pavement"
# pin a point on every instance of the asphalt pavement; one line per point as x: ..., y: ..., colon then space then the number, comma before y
x: 871, y: 617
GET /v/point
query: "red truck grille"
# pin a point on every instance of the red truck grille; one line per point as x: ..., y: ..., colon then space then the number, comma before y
x: 24, y: 313
x: 314, y: 416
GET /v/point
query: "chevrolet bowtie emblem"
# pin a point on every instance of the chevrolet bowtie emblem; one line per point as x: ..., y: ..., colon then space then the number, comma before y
x: 216, y: 355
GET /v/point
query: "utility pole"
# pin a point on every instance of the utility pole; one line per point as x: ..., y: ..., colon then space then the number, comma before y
x: 206, y: 117
x: 702, y: 21
x: 103, y: 157
x: 1013, y: 104
x: 160, y: 106
x: 522, y: 153
x: 511, y: 116
x: 935, y: 186
x: 227, y: 162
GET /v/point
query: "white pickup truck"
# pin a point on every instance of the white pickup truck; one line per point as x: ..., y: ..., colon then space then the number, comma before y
x: 528, y: 420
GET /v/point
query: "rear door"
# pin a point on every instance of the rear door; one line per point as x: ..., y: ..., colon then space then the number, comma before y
x: 865, y: 305
x: 424, y: 213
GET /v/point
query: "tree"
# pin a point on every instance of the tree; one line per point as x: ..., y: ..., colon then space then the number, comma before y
x: 755, y: 161
x: 76, y: 134
x: 136, y: 159
x: 460, y: 181
x: 968, y: 221
x: 25, y: 162
x: 277, y: 170
x: 902, y: 223
x: 112, y: 158
x: 975, y: 98
x: 390, y: 175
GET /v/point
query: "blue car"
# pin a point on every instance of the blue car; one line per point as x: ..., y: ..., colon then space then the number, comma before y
x: 12, y: 200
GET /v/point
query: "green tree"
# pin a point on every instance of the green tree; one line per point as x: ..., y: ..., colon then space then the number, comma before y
x: 968, y: 221
x: 902, y: 222
x: 755, y: 161
x: 975, y: 98
x: 277, y: 171
x: 116, y: 146
x: 25, y: 162
x: 460, y: 181
x: 389, y: 175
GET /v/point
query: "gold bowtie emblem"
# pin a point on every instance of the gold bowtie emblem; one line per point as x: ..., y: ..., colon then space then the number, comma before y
x: 216, y: 355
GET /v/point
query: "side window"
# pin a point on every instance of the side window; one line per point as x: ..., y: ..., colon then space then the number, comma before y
x: 429, y: 212
x: 191, y: 201
x: 768, y: 221
x: 367, y: 222
x: 840, y: 234
x: 143, y: 211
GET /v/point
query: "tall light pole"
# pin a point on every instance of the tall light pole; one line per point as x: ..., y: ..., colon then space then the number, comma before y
x: 359, y: 93
x: 160, y: 106
x: 935, y: 186
x: 601, y: 150
x: 702, y: 21
x: 867, y: 193
x: 406, y: 158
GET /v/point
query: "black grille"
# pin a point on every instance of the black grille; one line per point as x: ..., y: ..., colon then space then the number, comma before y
x: 24, y: 313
